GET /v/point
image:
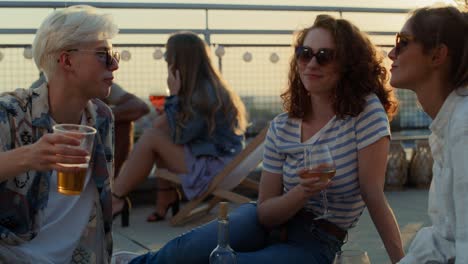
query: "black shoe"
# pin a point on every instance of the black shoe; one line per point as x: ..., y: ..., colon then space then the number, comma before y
x: 175, y: 205
x: 125, y: 212
x: 155, y: 217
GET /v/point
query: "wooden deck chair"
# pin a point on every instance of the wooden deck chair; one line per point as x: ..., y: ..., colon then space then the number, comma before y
x: 234, y: 174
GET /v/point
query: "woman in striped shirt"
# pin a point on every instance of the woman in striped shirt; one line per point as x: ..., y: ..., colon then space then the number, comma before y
x: 336, y: 96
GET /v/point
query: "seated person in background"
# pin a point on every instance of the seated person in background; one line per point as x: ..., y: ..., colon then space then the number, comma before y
x: 37, y: 224
x: 126, y: 108
x: 200, y: 131
x: 431, y: 59
x: 336, y: 96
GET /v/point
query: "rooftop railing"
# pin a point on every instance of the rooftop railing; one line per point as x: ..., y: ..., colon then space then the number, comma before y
x: 254, y: 61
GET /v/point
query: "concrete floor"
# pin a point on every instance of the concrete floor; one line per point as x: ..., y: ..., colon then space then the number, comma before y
x: 409, y: 206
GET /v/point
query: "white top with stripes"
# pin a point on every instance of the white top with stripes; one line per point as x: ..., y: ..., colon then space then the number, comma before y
x: 345, y: 137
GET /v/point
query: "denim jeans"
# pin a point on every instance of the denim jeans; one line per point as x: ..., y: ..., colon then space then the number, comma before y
x: 253, y: 243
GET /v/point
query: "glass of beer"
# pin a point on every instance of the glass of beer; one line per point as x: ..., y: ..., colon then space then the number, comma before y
x: 351, y: 257
x: 72, y: 182
x: 318, y: 162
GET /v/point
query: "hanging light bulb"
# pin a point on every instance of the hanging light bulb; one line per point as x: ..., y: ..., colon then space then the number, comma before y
x: 125, y: 55
x: 247, y: 56
x: 158, y: 54
x: 27, y: 53
x: 220, y: 51
x: 274, y: 58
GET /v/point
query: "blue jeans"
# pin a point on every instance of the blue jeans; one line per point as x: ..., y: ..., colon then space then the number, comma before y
x: 251, y: 241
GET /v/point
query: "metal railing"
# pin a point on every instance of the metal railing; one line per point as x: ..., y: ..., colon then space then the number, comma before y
x: 259, y: 80
x: 207, y: 31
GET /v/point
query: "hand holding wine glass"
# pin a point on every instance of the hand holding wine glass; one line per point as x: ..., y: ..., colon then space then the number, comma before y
x: 319, y: 163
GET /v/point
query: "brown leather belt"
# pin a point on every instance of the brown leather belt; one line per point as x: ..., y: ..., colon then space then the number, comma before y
x: 323, y: 224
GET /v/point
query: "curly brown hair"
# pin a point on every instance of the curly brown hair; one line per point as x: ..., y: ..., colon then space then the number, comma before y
x: 361, y: 73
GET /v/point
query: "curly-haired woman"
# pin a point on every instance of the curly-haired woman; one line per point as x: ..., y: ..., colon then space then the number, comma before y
x: 336, y: 97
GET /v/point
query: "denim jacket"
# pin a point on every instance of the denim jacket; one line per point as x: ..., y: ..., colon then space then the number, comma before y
x: 222, y: 142
x: 24, y: 119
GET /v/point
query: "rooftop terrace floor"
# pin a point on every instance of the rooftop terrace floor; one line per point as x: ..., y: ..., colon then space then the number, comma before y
x: 409, y: 206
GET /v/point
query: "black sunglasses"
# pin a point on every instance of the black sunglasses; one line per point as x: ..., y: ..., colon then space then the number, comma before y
x: 108, y: 56
x: 323, y: 56
x: 402, y: 40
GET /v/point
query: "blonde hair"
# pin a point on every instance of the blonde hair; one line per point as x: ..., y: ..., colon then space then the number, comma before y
x: 67, y: 28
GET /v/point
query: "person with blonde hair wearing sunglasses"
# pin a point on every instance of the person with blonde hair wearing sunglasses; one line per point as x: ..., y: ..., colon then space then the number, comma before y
x: 37, y: 223
x: 431, y: 58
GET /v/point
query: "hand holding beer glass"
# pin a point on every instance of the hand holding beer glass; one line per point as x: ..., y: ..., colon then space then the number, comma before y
x: 318, y: 162
x: 71, y: 182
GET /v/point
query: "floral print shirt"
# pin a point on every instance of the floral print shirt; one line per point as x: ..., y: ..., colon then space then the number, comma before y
x: 24, y: 119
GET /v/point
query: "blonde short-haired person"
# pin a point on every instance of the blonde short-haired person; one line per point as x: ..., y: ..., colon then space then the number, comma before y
x: 37, y: 224
x: 431, y: 59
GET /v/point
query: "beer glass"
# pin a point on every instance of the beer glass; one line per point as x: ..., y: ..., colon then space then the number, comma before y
x: 72, y: 182
x: 351, y: 257
x: 318, y: 162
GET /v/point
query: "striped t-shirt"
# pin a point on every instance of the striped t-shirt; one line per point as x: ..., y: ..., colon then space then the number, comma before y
x: 344, y: 137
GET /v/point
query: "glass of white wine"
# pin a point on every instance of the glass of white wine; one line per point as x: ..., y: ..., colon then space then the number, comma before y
x: 351, y: 257
x: 318, y: 162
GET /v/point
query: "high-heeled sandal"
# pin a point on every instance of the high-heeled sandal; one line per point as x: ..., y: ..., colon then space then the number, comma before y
x: 155, y: 216
x: 125, y: 212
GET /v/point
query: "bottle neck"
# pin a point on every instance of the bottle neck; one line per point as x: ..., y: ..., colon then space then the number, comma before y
x: 223, y: 233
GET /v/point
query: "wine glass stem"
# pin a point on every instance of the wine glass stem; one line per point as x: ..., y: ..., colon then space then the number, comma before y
x: 325, y: 202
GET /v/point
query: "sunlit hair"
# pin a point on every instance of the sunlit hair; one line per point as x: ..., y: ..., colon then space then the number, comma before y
x: 189, y: 54
x: 361, y: 72
x: 433, y: 26
x: 67, y: 28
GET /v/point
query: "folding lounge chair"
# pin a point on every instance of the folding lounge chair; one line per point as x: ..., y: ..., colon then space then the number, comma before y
x: 234, y: 174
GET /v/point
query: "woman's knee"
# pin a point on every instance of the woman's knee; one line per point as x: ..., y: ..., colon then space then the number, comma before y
x: 245, y: 213
x: 246, y: 232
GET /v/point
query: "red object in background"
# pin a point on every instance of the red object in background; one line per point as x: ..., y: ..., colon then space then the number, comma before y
x: 158, y: 102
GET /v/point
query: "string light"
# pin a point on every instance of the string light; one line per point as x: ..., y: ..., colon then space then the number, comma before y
x: 158, y: 54
x: 247, y: 56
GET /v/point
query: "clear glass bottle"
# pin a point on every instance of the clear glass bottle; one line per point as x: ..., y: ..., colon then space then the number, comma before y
x: 223, y: 253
